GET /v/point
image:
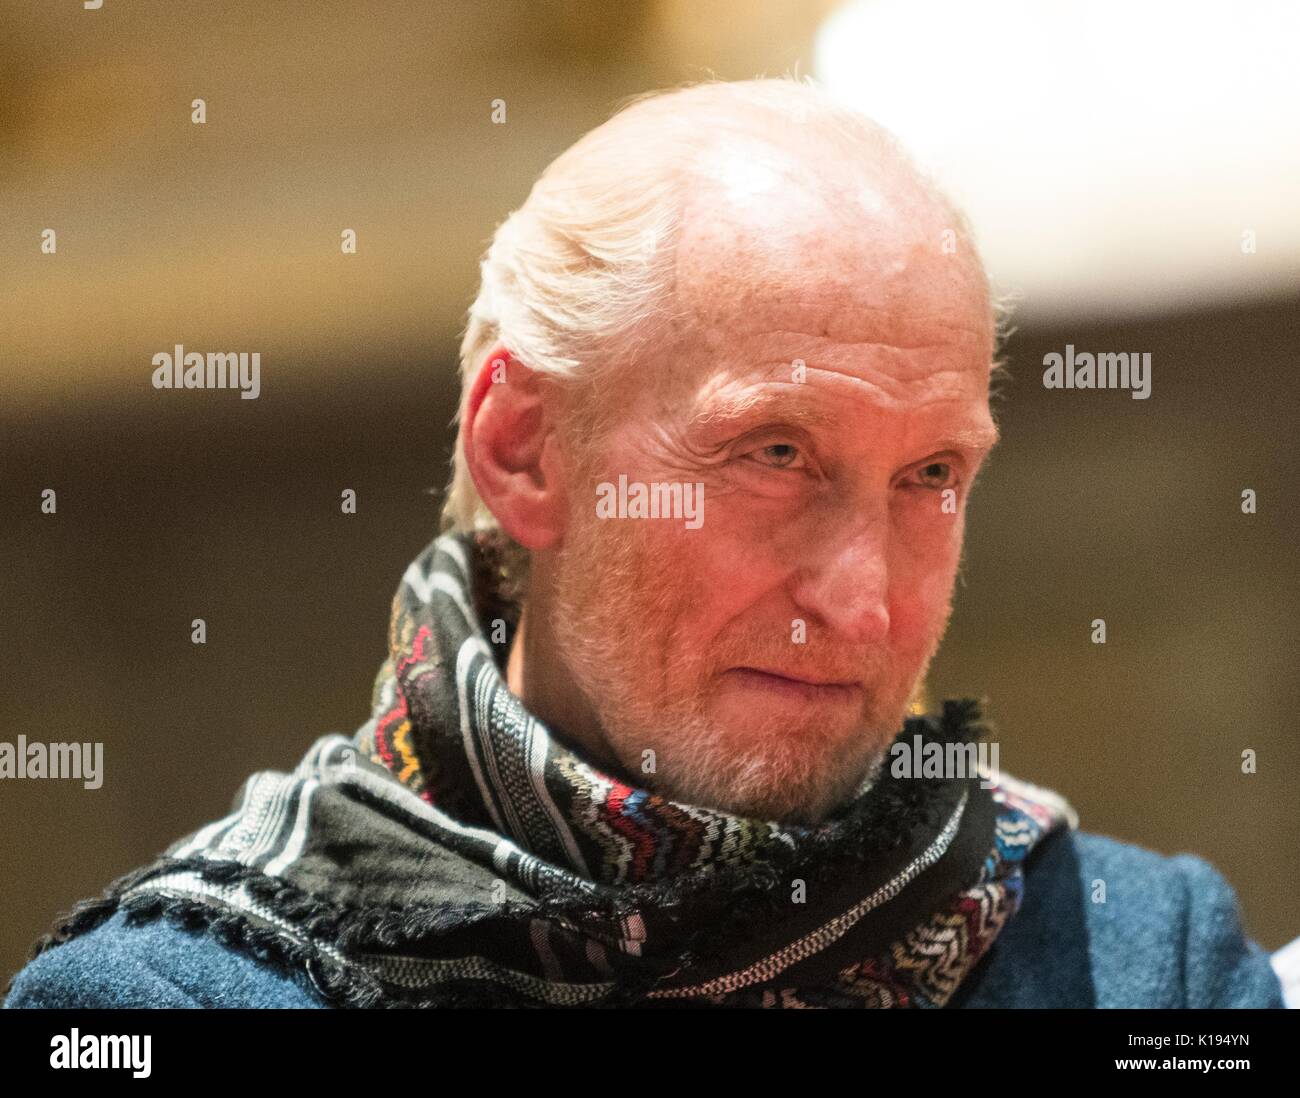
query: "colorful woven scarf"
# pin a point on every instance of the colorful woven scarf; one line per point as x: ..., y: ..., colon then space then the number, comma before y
x: 455, y: 852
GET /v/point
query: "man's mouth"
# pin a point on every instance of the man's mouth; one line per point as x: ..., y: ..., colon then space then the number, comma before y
x: 799, y: 686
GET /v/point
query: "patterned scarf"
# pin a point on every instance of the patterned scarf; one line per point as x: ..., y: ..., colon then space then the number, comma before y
x: 455, y: 852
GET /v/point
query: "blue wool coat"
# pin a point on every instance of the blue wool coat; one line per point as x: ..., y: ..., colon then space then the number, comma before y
x: 1168, y: 935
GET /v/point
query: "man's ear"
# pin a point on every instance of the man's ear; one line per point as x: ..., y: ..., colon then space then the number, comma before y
x: 512, y: 451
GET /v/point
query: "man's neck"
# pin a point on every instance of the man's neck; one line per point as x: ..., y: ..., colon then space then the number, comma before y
x: 536, y: 676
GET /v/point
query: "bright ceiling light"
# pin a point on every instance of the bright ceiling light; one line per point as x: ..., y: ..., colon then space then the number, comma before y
x: 1115, y: 156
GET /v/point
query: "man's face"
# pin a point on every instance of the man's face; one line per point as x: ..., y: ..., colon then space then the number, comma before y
x: 827, y: 385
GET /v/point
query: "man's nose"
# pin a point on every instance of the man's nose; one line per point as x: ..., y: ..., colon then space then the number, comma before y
x: 847, y: 588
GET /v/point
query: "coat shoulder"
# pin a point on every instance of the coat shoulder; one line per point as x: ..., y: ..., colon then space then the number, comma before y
x: 153, y: 964
x: 1105, y: 923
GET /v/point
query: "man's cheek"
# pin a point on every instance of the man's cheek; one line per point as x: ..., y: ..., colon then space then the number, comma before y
x: 718, y: 554
x: 931, y: 552
x: 920, y: 603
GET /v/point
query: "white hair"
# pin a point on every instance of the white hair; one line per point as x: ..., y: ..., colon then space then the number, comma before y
x: 576, y: 278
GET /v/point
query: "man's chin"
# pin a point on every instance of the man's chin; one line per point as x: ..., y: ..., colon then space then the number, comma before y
x: 798, y: 737
x: 768, y: 772
x: 789, y: 763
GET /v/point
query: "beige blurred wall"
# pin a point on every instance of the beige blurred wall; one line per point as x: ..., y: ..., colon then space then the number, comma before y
x: 321, y: 116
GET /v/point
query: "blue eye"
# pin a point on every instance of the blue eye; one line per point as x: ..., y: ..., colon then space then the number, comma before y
x: 782, y: 453
x: 936, y: 475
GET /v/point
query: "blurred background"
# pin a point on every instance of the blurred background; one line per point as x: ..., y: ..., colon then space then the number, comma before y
x: 1133, y: 175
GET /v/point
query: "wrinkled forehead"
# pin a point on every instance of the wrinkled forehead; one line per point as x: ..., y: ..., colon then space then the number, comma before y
x: 855, y: 256
x: 850, y: 252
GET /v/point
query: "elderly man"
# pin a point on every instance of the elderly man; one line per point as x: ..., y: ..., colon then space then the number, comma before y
x: 645, y: 735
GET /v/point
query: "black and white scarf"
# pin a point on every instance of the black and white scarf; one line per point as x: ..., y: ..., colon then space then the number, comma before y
x: 454, y: 852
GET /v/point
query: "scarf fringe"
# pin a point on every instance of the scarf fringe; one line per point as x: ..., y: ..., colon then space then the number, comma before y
x: 344, y: 986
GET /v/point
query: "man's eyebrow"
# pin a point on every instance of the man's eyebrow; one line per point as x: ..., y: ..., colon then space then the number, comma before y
x: 738, y: 414
x: 977, y: 438
x: 776, y: 407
